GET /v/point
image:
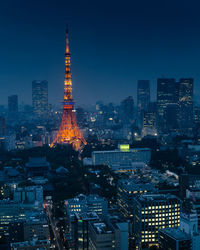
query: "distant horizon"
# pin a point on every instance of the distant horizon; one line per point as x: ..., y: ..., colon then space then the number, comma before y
x: 21, y: 103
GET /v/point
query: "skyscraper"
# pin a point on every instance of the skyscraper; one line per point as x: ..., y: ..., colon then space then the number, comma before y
x: 40, y: 97
x: 13, y: 104
x: 185, y: 102
x: 167, y: 94
x: 143, y: 95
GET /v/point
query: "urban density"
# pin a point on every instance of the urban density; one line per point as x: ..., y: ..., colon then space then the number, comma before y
x: 103, y: 175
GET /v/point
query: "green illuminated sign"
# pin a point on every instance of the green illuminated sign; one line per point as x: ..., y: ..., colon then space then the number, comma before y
x: 124, y: 147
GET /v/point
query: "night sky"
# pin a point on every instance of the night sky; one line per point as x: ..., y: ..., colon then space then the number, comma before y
x: 113, y: 44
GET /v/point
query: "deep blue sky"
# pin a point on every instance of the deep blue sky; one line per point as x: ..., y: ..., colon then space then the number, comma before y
x: 113, y: 44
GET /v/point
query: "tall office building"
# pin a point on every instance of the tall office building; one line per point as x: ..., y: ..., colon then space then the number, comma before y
x: 13, y: 104
x: 151, y: 213
x: 167, y: 94
x: 143, y: 95
x: 185, y: 101
x: 40, y: 97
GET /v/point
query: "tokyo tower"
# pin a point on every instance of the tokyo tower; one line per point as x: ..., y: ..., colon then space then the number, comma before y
x: 69, y: 132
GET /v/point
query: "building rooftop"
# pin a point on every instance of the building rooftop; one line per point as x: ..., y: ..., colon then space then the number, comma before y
x: 37, y: 162
x: 84, y: 198
x: 131, y: 150
x: 176, y: 234
x: 156, y: 197
x: 101, y: 228
x: 34, y: 242
x: 136, y: 185
x: 87, y: 216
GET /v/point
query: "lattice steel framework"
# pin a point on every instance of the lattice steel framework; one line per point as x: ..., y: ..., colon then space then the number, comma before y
x: 69, y: 132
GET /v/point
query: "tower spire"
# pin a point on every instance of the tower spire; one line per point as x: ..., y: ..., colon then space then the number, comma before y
x: 67, y: 40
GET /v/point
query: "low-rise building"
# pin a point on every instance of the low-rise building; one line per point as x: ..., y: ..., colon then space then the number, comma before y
x: 101, y: 236
x: 174, y: 239
x: 90, y: 203
x: 37, y: 166
x: 34, y: 244
x: 124, y: 156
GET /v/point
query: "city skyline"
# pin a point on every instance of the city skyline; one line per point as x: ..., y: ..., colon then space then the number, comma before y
x: 106, y: 155
x: 143, y: 44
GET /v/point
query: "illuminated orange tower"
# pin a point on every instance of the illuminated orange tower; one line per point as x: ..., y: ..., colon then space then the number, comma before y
x: 68, y: 132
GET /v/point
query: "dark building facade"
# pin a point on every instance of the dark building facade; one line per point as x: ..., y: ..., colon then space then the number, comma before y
x: 174, y: 239
x: 2, y: 126
x: 13, y: 104
x: 40, y: 98
x: 143, y: 95
x: 127, y: 108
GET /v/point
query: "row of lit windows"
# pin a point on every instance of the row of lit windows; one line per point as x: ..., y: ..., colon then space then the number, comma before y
x: 161, y: 215
x: 148, y: 240
x: 74, y: 206
x: 156, y: 223
x: 135, y: 192
x: 161, y: 212
x: 168, y: 221
x: 163, y: 206
x: 149, y: 236
x: 177, y: 224
x: 76, y: 210
x: 160, y: 219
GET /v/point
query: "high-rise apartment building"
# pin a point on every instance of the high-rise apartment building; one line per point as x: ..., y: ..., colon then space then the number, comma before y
x: 13, y: 104
x: 151, y: 213
x: 143, y: 95
x: 185, y: 101
x: 40, y: 97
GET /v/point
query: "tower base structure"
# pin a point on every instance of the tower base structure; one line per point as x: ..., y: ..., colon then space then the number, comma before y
x: 69, y: 132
